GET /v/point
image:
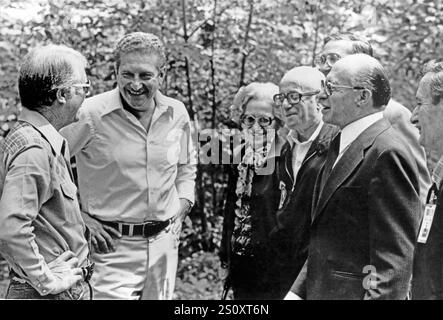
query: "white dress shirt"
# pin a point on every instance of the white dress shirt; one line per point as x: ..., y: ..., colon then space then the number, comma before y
x: 300, y: 149
x: 126, y: 173
x: 351, y: 132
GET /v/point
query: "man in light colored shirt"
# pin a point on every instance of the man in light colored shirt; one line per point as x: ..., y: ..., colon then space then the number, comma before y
x: 302, y: 158
x: 367, y: 212
x: 42, y: 234
x: 136, y: 175
x: 337, y: 46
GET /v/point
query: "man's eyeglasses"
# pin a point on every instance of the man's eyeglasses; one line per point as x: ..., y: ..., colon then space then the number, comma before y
x: 292, y: 97
x: 86, y: 87
x: 329, y: 88
x: 330, y: 59
x: 263, y: 121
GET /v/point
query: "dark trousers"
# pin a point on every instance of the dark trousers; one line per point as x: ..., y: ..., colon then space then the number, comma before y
x: 257, y: 278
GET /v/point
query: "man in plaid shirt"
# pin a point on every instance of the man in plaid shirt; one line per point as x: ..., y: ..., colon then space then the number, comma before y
x: 42, y: 234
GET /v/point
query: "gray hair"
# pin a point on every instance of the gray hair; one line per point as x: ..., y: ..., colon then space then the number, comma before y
x: 45, y: 69
x: 254, y: 91
x: 140, y: 42
x: 435, y: 69
x: 359, y: 43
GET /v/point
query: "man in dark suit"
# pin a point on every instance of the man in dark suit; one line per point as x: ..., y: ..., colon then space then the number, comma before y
x: 365, y: 222
x: 337, y: 46
x: 301, y: 159
x: 427, y: 116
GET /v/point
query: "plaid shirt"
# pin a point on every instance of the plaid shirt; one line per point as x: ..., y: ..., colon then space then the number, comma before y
x: 39, y: 211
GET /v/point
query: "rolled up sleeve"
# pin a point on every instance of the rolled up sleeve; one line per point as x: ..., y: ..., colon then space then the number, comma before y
x: 187, y: 166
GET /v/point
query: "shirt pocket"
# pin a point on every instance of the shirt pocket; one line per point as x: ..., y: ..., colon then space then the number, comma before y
x: 70, y: 202
x: 69, y: 190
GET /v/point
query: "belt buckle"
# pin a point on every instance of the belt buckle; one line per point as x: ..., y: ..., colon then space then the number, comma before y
x: 156, y: 224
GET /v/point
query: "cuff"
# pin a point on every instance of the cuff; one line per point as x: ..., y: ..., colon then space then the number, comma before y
x: 185, y: 190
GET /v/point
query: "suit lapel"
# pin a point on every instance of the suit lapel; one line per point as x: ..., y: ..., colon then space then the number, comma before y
x: 348, y: 162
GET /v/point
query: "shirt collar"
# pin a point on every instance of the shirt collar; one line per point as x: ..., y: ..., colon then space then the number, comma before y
x: 437, y: 173
x: 42, y: 125
x: 115, y: 103
x: 354, y: 129
x: 292, y: 136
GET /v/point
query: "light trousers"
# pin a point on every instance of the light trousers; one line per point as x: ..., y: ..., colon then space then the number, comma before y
x: 140, y: 268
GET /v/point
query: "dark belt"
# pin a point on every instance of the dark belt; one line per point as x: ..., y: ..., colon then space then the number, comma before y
x: 147, y: 229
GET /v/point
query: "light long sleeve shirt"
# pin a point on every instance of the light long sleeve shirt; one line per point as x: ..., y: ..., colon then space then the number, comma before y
x: 300, y: 149
x: 39, y: 212
x: 126, y: 173
x: 351, y: 132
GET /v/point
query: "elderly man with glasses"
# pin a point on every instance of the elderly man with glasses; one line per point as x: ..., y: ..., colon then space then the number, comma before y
x: 337, y: 46
x: 366, y: 214
x: 301, y: 159
x: 136, y: 172
x: 42, y: 234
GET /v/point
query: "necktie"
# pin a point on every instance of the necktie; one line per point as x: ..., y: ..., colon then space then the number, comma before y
x: 330, y: 160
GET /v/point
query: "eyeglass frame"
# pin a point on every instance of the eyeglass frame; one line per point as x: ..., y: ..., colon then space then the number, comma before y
x: 328, y: 86
x: 86, y: 86
x: 243, y: 116
x: 300, y: 96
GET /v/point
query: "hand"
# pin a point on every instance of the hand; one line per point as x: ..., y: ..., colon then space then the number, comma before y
x: 184, y: 209
x: 65, y: 273
x: 101, y: 234
x: 181, y: 216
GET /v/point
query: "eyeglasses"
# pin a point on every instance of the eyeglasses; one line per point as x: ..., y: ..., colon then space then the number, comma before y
x: 329, y: 88
x: 330, y: 59
x: 292, y: 97
x: 263, y: 121
x: 86, y: 87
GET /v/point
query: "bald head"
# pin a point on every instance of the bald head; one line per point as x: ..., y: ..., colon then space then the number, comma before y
x: 298, y: 90
x: 305, y: 78
x: 365, y: 71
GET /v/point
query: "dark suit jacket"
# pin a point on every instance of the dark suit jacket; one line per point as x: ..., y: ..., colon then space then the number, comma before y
x: 427, y: 281
x: 291, y: 234
x: 366, y: 219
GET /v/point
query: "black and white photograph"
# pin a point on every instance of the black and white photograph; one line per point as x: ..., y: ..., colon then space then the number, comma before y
x: 234, y: 151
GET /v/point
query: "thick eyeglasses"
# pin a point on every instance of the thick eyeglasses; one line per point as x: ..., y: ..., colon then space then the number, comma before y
x: 292, y: 97
x: 329, y: 88
x: 263, y: 121
x: 330, y: 59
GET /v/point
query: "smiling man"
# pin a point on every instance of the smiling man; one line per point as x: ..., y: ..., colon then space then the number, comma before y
x: 428, y: 116
x: 367, y: 212
x: 302, y: 158
x: 136, y: 174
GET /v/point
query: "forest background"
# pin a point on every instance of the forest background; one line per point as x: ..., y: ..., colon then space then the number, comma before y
x: 213, y: 48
